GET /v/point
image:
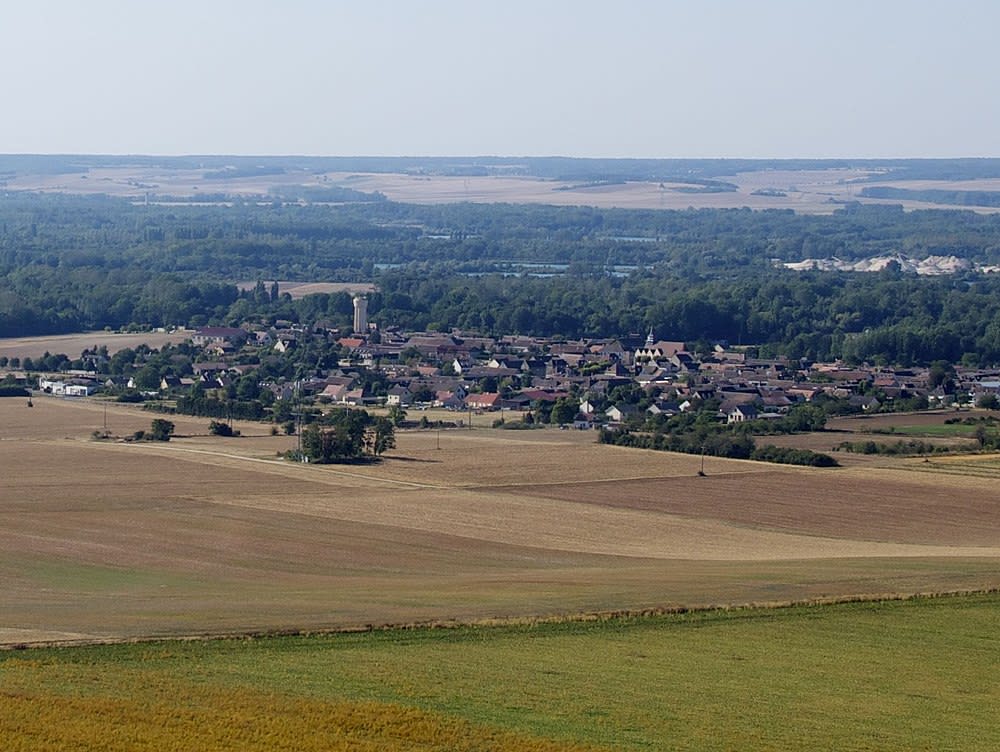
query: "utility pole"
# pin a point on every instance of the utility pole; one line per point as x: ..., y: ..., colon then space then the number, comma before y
x: 298, y: 418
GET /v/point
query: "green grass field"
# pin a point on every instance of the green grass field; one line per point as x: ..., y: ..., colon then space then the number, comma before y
x: 944, y: 430
x: 916, y: 674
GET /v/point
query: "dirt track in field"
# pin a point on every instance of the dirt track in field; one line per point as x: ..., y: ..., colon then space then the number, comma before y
x: 206, y: 534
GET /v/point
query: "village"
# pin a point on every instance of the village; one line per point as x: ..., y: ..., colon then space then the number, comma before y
x: 580, y: 383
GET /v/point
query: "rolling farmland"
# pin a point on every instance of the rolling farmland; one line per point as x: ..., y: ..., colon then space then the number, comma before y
x: 205, y: 535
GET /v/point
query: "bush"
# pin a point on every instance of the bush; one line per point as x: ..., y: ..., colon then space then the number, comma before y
x: 218, y: 428
x: 791, y: 456
x: 161, y: 429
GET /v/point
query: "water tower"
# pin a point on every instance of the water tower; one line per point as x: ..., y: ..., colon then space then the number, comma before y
x: 360, y: 314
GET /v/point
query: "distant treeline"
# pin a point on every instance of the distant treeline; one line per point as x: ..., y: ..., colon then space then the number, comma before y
x: 566, y: 168
x: 73, y: 263
x: 934, y: 195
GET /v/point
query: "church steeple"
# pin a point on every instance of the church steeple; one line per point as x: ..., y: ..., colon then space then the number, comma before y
x: 649, y: 338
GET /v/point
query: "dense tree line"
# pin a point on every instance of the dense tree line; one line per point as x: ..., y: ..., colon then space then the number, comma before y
x: 706, y: 437
x: 73, y: 263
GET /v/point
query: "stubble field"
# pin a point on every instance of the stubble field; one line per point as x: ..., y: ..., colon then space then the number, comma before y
x: 72, y: 345
x: 107, y: 540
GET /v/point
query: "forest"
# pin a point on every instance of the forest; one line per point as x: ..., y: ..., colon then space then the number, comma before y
x: 72, y: 263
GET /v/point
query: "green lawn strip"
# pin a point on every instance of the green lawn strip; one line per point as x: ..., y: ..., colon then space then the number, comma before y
x: 918, y: 674
x: 942, y: 430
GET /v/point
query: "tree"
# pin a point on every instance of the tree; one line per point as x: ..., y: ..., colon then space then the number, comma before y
x: 564, y: 410
x: 218, y: 428
x: 161, y: 429
x: 423, y: 394
x: 989, y: 402
x: 147, y: 378
x: 330, y: 444
x: 345, y: 435
x: 940, y: 375
x: 248, y: 388
x: 380, y: 436
x: 397, y: 415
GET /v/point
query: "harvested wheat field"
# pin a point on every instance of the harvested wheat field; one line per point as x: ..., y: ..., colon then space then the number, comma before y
x: 113, y: 539
x: 300, y: 289
x: 71, y: 345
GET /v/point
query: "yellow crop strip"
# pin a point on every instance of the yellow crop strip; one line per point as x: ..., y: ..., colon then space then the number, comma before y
x: 241, y: 721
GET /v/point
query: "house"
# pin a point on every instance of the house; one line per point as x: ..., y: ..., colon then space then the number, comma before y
x: 334, y: 392
x: 652, y: 374
x: 620, y: 412
x: 741, y: 414
x: 353, y: 397
x: 169, y: 382
x: 219, y: 335
x: 448, y: 400
x: 398, y: 395
x: 286, y: 341
x: 683, y: 362
x: 664, y: 407
x: 513, y: 364
x: 483, y: 401
x: 350, y: 343
x: 657, y: 350
x: 68, y: 387
x: 868, y: 403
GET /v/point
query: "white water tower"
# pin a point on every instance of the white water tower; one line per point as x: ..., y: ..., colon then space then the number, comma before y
x: 360, y: 314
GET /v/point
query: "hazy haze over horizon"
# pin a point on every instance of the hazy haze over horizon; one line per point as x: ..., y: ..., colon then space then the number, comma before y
x: 719, y: 78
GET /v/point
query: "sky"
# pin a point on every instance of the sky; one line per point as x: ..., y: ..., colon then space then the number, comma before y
x: 630, y: 78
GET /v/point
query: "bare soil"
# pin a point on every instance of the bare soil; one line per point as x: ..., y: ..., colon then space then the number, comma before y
x: 301, y: 289
x: 205, y: 534
x: 72, y: 345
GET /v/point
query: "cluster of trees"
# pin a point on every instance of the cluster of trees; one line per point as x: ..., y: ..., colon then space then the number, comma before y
x: 715, y: 441
x: 213, y: 407
x: 346, y: 435
x: 705, y: 438
x: 900, y: 447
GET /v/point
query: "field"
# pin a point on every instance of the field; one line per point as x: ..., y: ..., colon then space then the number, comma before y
x: 894, y: 675
x: 819, y: 191
x: 301, y: 289
x: 72, y: 345
x: 536, y: 549
x: 205, y: 535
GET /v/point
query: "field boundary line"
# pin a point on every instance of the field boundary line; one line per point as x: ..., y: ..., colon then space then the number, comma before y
x: 508, y: 622
x: 595, y: 481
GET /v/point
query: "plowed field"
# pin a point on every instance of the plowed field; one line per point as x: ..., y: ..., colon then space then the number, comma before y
x: 204, y: 534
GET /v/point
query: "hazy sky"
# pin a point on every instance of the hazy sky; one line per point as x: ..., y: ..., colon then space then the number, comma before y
x: 656, y: 78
